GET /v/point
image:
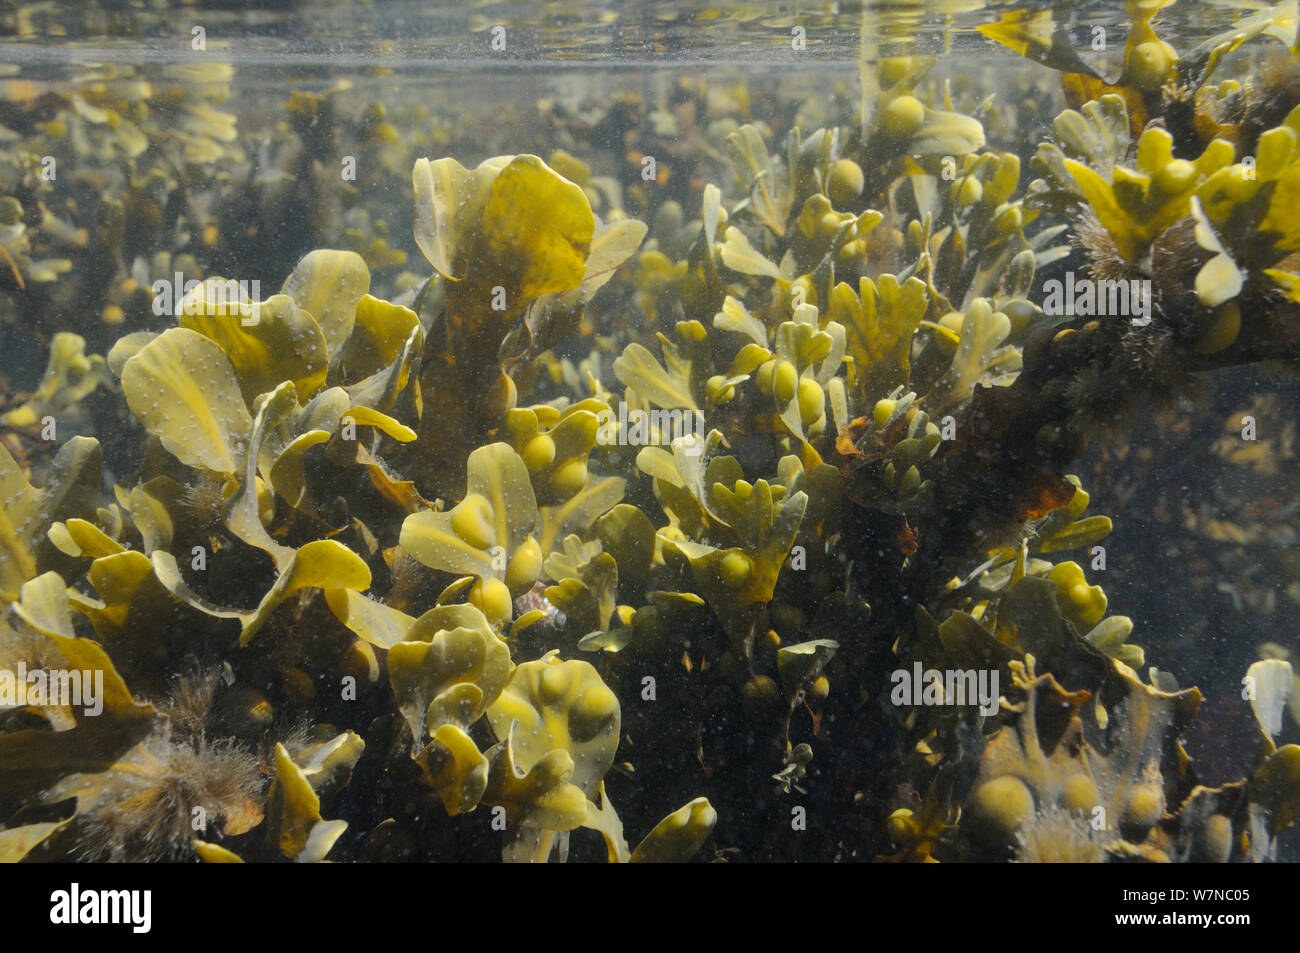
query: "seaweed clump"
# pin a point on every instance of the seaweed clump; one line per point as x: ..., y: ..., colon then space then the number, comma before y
x: 458, y: 540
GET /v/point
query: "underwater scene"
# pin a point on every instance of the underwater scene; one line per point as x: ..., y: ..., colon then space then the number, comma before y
x: 648, y: 432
